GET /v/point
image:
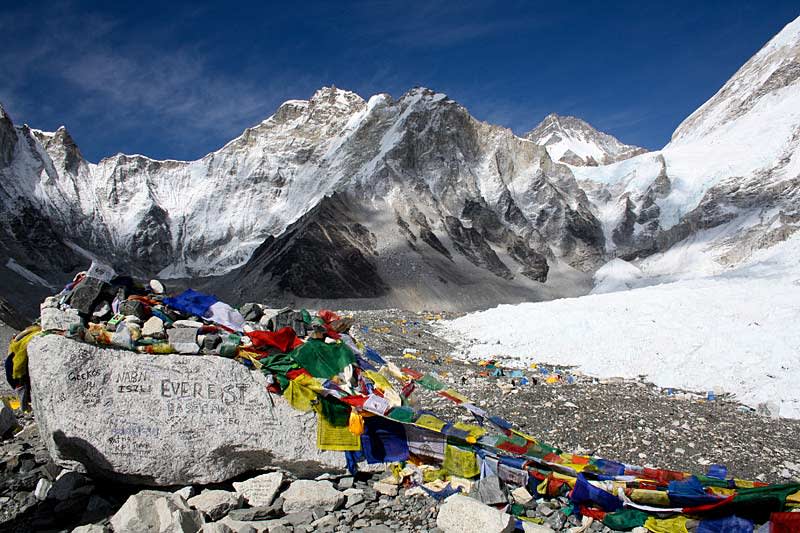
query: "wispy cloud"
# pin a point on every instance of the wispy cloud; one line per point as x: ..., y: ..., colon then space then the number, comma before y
x: 125, y: 83
x: 440, y: 23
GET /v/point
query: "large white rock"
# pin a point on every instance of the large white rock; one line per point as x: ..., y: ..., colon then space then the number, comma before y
x: 305, y: 494
x: 260, y: 490
x: 150, y: 511
x: 163, y: 419
x: 462, y: 514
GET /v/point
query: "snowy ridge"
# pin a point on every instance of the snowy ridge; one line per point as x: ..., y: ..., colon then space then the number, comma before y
x: 708, y: 228
x: 572, y: 140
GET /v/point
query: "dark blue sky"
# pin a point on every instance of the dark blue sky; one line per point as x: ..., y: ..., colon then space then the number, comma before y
x: 177, y: 81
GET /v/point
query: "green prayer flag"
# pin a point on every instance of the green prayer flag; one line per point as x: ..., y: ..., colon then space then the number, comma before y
x: 278, y: 364
x: 431, y: 383
x: 625, y: 519
x: 335, y: 412
x: 402, y: 414
x: 322, y: 360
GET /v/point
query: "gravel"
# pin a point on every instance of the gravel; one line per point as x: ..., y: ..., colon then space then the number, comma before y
x: 629, y: 421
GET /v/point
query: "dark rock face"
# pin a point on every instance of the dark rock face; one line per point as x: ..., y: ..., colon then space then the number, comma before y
x: 474, y: 247
x: 325, y: 254
x: 8, y: 138
x: 152, y: 244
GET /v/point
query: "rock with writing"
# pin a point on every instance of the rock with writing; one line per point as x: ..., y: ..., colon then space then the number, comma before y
x: 163, y: 419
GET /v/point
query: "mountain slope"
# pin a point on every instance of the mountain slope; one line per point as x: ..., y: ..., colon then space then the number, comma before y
x: 574, y: 141
x: 484, y: 201
x: 414, y: 203
x: 726, y: 185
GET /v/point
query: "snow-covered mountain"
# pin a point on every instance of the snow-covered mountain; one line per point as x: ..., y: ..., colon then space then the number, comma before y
x: 574, y: 141
x: 726, y: 185
x: 412, y: 202
x: 447, y: 211
x: 709, y: 228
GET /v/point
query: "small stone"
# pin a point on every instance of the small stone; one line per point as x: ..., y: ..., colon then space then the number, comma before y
x: 42, y: 488
x: 185, y: 492
x: 385, y: 488
x: 327, y: 521
x: 53, y: 318
x: 153, y: 326
x: 345, y: 483
x: 300, y: 517
x: 216, y: 503
x: 257, y: 513
x: 308, y: 494
x: 358, y: 509
x: 544, y: 509
x: 521, y: 495
x: 353, y: 499
x: 260, y: 490
x: 183, y: 340
x: 556, y: 521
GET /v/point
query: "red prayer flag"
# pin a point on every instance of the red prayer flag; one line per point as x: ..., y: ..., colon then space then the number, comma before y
x: 284, y: 339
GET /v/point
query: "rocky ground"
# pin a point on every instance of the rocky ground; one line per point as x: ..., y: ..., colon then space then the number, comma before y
x: 630, y: 421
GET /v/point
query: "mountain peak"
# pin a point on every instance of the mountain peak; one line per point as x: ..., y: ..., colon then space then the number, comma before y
x: 764, y: 79
x: 334, y: 95
x: 574, y: 141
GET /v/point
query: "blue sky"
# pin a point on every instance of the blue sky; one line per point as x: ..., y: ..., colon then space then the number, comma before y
x: 180, y: 80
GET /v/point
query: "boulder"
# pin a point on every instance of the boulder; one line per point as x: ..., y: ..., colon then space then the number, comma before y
x: 151, y: 510
x: 7, y: 419
x: 163, y: 419
x: 462, y: 514
x: 216, y: 503
x: 260, y: 490
x: 308, y: 494
x: 54, y: 318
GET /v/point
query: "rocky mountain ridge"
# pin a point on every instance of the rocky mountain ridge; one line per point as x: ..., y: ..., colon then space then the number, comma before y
x: 411, y: 202
x: 575, y: 142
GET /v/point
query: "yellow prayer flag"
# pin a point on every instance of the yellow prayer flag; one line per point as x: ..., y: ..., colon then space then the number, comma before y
x: 330, y: 437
